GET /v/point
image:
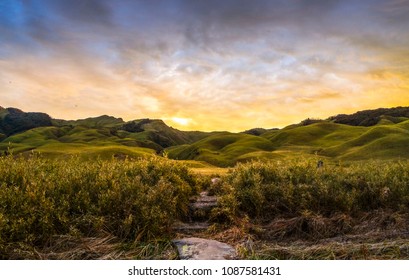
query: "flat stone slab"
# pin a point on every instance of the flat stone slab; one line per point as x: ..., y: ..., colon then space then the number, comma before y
x: 204, y: 202
x: 204, y: 249
x: 191, y: 227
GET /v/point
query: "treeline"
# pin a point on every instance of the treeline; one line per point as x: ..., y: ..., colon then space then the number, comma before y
x: 15, y: 121
x: 370, y: 117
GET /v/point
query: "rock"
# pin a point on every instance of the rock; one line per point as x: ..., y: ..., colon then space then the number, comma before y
x: 201, y: 208
x: 215, y: 180
x: 204, y: 249
x: 193, y: 227
x: 204, y: 202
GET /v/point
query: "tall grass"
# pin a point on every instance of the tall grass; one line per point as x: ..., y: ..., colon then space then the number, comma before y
x: 270, y: 189
x: 46, y: 203
x: 131, y: 200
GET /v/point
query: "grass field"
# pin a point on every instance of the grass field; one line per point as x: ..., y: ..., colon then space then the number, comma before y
x: 105, y: 188
x: 125, y: 208
x: 105, y: 137
x: 325, y: 140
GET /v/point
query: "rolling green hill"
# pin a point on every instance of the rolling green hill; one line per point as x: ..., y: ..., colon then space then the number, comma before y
x: 343, y: 137
x: 97, y: 122
x: 103, y: 136
x: 221, y: 149
x: 324, y: 140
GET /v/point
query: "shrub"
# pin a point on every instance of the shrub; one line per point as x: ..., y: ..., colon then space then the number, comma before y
x: 133, y: 200
x: 267, y: 189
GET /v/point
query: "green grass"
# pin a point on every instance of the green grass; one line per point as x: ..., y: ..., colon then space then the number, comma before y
x: 222, y: 149
x: 96, y: 122
x: 133, y: 201
x: 88, y: 143
x: 381, y: 142
x: 122, y: 208
x: 270, y: 189
x: 323, y: 140
x: 386, y: 120
x: 89, y: 180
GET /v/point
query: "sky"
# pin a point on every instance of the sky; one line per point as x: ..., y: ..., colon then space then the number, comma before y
x: 204, y: 64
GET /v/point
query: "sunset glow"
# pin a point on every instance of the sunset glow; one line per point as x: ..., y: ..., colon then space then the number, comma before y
x: 204, y: 65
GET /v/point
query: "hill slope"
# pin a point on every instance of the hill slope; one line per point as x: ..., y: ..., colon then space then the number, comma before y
x: 371, y: 134
x: 373, y: 117
x: 222, y: 149
x: 325, y: 140
x: 100, y: 136
x: 13, y: 121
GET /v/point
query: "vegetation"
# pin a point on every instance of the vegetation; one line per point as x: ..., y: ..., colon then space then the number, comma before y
x: 14, y: 120
x: 267, y: 190
x: 373, y: 134
x: 104, y: 188
x: 373, y: 117
x: 326, y: 139
x: 126, y: 208
x: 133, y: 201
x: 37, y: 132
x: 294, y: 210
x: 221, y: 149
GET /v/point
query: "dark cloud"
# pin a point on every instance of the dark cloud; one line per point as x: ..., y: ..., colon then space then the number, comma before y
x: 188, y: 57
x: 84, y: 11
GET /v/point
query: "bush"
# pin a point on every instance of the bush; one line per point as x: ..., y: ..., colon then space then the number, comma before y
x: 267, y: 189
x: 133, y: 200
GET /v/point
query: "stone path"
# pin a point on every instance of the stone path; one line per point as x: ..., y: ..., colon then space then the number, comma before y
x: 201, y: 208
x: 193, y: 248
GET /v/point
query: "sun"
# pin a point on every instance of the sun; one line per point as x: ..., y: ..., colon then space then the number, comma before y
x: 181, y: 121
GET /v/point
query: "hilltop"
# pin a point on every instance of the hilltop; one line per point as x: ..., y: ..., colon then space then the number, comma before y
x: 370, y: 134
x: 373, y: 117
x: 103, y: 136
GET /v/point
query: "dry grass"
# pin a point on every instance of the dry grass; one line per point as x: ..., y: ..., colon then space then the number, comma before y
x: 376, y: 235
x: 307, y: 227
x: 103, y: 247
x: 363, y: 250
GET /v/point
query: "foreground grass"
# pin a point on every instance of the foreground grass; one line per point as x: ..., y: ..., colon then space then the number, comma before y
x: 294, y: 210
x: 266, y: 190
x: 130, y: 201
x: 125, y: 209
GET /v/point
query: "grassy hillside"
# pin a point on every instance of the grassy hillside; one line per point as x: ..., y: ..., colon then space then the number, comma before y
x: 103, y: 136
x: 343, y: 137
x: 157, y: 131
x: 97, y: 122
x: 382, y: 142
x: 325, y: 140
x: 321, y: 140
x: 221, y: 149
x: 88, y: 143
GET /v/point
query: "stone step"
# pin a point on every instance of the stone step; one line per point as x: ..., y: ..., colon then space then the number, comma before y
x: 204, y: 249
x: 190, y: 228
x: 200, y: 209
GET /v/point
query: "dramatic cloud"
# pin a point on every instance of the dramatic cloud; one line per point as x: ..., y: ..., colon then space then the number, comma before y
x: 211, y: 65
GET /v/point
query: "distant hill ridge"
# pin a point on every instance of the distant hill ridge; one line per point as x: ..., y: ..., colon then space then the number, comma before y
x: 370, y: 134
x: 152, y: 134
x: 14, y: 120
x: 370, y: 117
